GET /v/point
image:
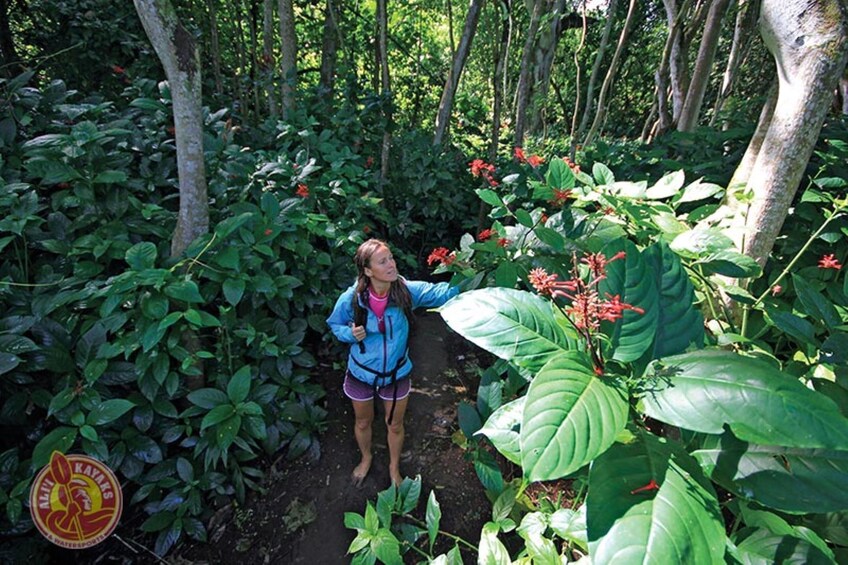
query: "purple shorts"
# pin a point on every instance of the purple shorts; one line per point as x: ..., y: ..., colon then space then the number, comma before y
x: 361, y: 392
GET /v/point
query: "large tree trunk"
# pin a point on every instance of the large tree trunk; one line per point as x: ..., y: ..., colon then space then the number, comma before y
x: 544, y: 60
x: 808, y: 41
x: 601, y: 110
x: 288, y: 55
x: 268, y: 55
x: 181, y: 60
x: 703, y: 65
x: 596, y: 69
x: 664, y: 77
x: 461, y: 55
x: 329, y: 50
x: 522, y: 91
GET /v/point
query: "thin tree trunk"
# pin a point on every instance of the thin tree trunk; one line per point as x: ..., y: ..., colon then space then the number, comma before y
x: 382, y: 43
x: 268, y: 55
x: 452, y: 82
x: 663, y: 76
x: 252, y: 21
x: 808, y: 41
x: 746, y: 18
x: 288, y: 55
x: 241, y: 63
x: 678, y: 74
x: 329, y: 50
x: 703, y: 65
x: 522, y: 93
x: 572, y: 151
x: 622, y: 40
x: 596, y: 68
x: 545, y: 54
x: 449, y: 4
x: 216, y: 48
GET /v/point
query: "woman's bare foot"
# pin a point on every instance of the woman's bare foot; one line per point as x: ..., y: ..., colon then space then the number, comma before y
x: 360, y: 472
x: 396, y: 478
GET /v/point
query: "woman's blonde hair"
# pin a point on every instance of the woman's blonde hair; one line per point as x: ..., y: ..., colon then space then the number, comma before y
x: 398, y: 292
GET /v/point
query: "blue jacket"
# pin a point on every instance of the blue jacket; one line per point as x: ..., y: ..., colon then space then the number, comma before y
x: 384, y: 351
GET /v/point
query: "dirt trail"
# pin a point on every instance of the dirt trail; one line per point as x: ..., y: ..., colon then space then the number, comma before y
x: 273, y: 528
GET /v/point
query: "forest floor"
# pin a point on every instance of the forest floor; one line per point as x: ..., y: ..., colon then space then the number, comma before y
x: 300, y: 519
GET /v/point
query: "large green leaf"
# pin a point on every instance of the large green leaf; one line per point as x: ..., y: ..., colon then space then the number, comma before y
x: 815, y: 304
x: 705, y: 390
x: 570, y: 417
x: 631, y: 280
x: 762, y: 546
x: 679, y: 323
x: 503, y: 427
x: 784, y: 478
x: 629, y: 520
x: 515, y: 325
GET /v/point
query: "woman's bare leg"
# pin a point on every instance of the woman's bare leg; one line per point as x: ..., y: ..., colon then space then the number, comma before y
x: 395, y: 437
x: 364, y: 414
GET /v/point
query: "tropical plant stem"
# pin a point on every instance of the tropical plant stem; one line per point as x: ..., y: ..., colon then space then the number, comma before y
x: 419, y: 551
x: 787, y: 269
x: 444, y: 533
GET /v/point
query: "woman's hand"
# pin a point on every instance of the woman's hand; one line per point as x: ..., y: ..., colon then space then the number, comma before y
x: 358, y: 332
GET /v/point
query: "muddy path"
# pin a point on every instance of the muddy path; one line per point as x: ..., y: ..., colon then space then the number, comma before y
x: 300, y: 519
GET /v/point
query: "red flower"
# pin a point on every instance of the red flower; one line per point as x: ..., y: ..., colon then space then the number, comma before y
x: 535, y: 160
x: 571, y: 165
x: 652, y: 485
x: 519, y: 154
x: 480, y: 168
x: 485, y: 234
x: 776, y: 289
x: 829, y: 262
x: 441, y: 254
x: 598, y: 263
x: 503, y: 242
x: 269, y: 231
x: 302, y: 190
x: 560, y: 197
x: 366, y: 229
x: 369, y: 162
x: 118, y: 70
x: 544, y: 219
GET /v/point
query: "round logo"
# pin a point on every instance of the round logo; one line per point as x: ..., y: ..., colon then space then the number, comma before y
x: 75, y: 501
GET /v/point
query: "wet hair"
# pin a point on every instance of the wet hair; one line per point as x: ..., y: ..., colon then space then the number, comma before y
x: 398, y: 293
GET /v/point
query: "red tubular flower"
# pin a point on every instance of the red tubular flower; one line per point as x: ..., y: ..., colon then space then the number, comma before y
x: 503, y: 242
x: 441, y: 254
x: 485, y: 234
x: 560, y: 197
x: 598, y: 262
x: 519, y: 154
x: 829, y: 262
x: 269, y: 231
x: 544, y: 219
x: 302, y: 190
x: 652, y: 485
x: 535, y: 160
x: 118, y: 70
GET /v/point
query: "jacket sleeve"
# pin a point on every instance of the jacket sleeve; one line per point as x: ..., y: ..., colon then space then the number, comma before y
x: 341, y: 318
x: 430, y: 295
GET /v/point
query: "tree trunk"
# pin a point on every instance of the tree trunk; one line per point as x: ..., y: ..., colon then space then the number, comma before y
x: 288, y: 55
x: 572, y: 149
x: 181, y: 60
x: 382, y: 56
x: 544, y: 61
x: 746, y: 18
x: 808, y: 41
x: 241, y: 62
x: 252, y: 21
x: 622, y: 41
x: 664, y: 75
x: 678, y: 74
x: 10, y: 64
x: 596, y: 68
x: 703, y: 65
x: 268, y: 55
x: 216, y: 47
x: 522, y: 91
x: 461, y: 55
x: 329, y: 50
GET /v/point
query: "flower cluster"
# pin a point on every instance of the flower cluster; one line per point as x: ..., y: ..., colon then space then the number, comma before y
x: 443, y: 255
x: 480, y: 168
x: 829, y: 262
x: 302, y: 191
x: 485, y: 234
x: 533, y: 160
x: 560, y: 197
x: 575, y: 168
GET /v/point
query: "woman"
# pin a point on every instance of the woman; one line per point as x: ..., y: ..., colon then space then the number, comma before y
x: 373, y: 316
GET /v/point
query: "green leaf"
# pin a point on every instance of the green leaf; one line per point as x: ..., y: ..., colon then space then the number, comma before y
x: 699, y: 191
x: 154, y: 306
x: 669, y: 185
x: 502, y: 428
x: 233, y: 290
x: 701, y: 242
x: 409, y: 493
x: 679, y: 322
x: 60, y: 439
x: 386, y: 547
x: 94, y: 369
x: 141, y: 256
x: 354, y: 521
x: 762, y: 546
x: 602, y: 173
x: 372, y: 521
x: 506, y: 274
x: 227, y: 431
x: 208, y: 398
x: 186, y: 291
x: 679, y: 521
x: 512, y: 324
x: 158, y: 522
x: 705, y: 390
x: 108, y: 411
x: 731, y: 263
x: 796, y: 327
x: 784, y: 478
x: 8, y: 362
x: 491, y: 551
x: 490, y: 197
x: 524, y: 218
x: 433, y: 517
x: 559, y: 175
x: 550, y: 237
x: 217, y: 415
x: 630, y: 280
x: 361, y: 541
x: 239, y: 385
x: 110, y: 177
x: 570, y: 525
x: 815, y: 304
x: 570, y: 417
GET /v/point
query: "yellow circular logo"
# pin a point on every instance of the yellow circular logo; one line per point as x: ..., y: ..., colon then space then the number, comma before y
x: 75, y: 501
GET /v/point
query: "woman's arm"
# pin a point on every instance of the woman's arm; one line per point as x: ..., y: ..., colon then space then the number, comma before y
x: 430, y: 295
x: 341, y: 319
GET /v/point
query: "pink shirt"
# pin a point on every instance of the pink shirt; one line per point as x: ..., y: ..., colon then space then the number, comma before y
x: 378, y: 306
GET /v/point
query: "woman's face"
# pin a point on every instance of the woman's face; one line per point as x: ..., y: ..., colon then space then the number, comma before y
x: 381, y: 267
